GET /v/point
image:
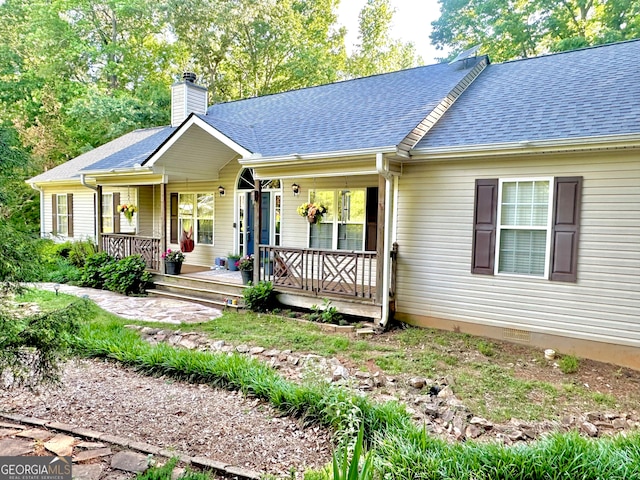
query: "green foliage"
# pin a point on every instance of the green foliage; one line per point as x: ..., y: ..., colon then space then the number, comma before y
x: 486, y: 349
x: 32, y: 347
x: 93, y: 273
x: 19, y: 260
x: 260, y: 297
x: 345, y: 469
x: 327, y: 313
x: 569, y: 364
x: 80, y: 251
x: 64, y: 272
x: 508, y: 30
x: 126, y: 276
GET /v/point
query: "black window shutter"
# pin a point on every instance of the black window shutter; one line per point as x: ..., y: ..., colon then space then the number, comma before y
x: 484, y: 226
x: 173, y: 236
x: 566, y: 229
x: 70, y: 215
x: 116, y: 214
x: 54, y: 214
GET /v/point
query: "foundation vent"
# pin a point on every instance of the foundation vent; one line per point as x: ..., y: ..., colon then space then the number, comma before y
x: 516, y: 335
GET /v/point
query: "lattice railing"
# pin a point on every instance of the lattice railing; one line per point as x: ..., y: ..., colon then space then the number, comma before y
x: 122, y: 245
x: 324, y: 272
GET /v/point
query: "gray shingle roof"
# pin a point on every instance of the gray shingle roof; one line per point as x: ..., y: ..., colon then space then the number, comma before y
x: 135, y: 152
x: 131, y: 146
x: 589, y: 92
x: 371, y: 112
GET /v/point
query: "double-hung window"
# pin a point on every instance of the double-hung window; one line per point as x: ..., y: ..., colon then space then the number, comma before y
x: 524, y: 227
x: 527, y: 226
x: 195, y: 216
x: 343, y: 226
x: 107, y: 213
x: 62, y: 214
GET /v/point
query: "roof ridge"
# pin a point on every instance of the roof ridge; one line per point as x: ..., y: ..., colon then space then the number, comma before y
x: 564, y: 52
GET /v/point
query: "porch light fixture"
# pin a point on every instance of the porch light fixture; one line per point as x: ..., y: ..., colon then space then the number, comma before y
x: 221, y: 190
x: 296, y: 189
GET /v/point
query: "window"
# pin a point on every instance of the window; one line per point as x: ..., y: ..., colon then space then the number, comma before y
x: 107, y: 213
x: 195, y: 216
x: 527, y: 227
x: 524, y: 227
x: 62, y: 214
x: 343, y: 226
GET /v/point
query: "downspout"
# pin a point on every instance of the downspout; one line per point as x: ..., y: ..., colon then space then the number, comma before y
x: 37, y: 188
x: 96, y: 228
x: 382, y: 168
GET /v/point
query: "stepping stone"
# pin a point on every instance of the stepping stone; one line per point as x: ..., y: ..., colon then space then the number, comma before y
x: 87, y: 472
x: 13, y: 426
x: 130, y: 462
x: 13, y: 447
x: 7, y: 432
x: 88, y: 445
x: 91, y: 454
x: 61, y: 445
x: 36, y: 434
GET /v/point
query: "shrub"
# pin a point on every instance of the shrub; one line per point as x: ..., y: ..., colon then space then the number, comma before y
x: 64, y: 272
x: 80, y: 251
x: 260, y: 297
x: 327, y: 313
x: 569, y: 364
x: 92, y: 274
x: 126, y: 276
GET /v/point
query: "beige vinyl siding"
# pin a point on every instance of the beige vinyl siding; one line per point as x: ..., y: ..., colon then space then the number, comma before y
x: 435, y: 215
x: 83, y: 211
x: 127, y: 195
x: 148, y: 221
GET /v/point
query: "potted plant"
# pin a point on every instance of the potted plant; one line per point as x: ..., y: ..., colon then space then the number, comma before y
x: 232, y: 260
x: 312, y: 211
x: 128, y: 210
x: 245, y: 264
x: 173, y: 261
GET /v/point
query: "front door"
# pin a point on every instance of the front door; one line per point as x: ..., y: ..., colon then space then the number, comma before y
x: 265, y: 230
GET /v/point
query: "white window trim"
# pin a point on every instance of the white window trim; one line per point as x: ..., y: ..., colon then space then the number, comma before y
x: 336, y: 222
x: 195, y: 218
x: 111, y: 216
x: 548, y: 228
x: 65, y: 217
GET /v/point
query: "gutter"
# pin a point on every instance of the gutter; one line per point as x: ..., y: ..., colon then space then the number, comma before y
x: 37, y: 188
x: 306, y: 159
x: 382, y: 167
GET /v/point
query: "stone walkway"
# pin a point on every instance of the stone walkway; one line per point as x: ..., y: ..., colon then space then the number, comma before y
x: 149, y: 309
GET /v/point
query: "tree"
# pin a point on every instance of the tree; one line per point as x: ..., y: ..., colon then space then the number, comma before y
x: 377, y: 52
x: 509, y: 29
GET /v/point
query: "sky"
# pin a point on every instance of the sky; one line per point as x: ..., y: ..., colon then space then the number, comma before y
x: 411, y: 23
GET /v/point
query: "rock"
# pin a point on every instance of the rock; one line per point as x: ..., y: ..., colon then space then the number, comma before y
x: 271, y: 353
x: 91, y: 454
x: 149, y: 330
x: 89, y: 445
x: 447, y: 416
x: 481, y: 422
x: 473, y: 431
x: 589, y: 428
x: 218, y: 344
x: 417, y: 382
x: 446, y: 392
x: 174, y: 339
x: 619, y: 423
x: 340, y: 373
x: 378, y: 380
x: 362, y: 375
x: 567, y: 420
x: 593, y: 416
x: 36, y: 434
x: 293, y: 360
x: 363, y: 332
x: 14, y: 447
x: 515, y: 435
x: 61, y: 445
x: 242, y: 349
x: 188, y: 343
x: 87, y: 472
x: 130, y: 462
x: 256, y: 350
x: 432, y: 410
x: 449, y: 380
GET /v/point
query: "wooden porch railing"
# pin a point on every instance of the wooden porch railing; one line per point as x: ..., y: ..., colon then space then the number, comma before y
x: 323, y: 272
x: 122, y: 245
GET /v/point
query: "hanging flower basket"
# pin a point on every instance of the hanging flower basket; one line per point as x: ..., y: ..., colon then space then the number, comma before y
x: 312, y: 211
x: 127, y: 210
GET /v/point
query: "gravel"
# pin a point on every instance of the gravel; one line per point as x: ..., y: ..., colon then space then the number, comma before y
x: 197, y: 420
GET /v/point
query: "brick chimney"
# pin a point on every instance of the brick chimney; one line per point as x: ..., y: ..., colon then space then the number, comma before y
x: 187, y: 98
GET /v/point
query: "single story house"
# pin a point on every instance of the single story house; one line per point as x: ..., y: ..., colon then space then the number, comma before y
x: 496, y: 199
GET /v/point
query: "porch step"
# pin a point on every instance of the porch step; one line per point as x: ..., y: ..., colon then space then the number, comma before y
x: 191, y: 298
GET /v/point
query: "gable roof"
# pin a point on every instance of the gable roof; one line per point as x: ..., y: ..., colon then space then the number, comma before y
x: 590, y: 92
x: 371, y: 112
x: 138, y: 143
